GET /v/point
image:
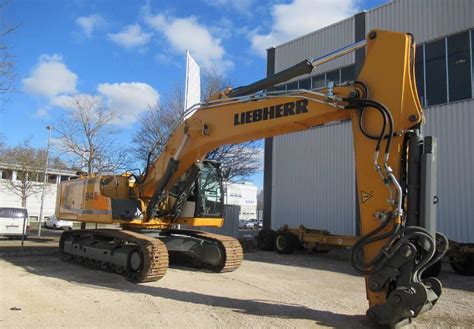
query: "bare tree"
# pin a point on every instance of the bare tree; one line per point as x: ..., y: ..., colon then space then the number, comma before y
x: 155, y: 125
x: 154, y: 129
x: 7, y: 63
x: 86, y: 136
x: 28, y: 165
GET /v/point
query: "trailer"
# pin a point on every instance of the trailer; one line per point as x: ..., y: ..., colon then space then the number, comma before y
x: 461, y: 257
x: 286, y: 240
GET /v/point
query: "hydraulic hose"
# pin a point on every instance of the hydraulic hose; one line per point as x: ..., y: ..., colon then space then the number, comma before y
x: 358, y: 264
x: 439, y: 256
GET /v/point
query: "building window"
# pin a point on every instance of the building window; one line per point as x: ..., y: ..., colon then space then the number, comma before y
x: 459, y: 67
x: 305, y: 84
x: 280, y: 87
x: 348, y: 73
x: 436, y: 82
x: 333, y: 76
x: 292, y: 85
x: 472, y: 61
x: 319, y: 81
x: 443, y: 71
x: 7, y: 174
x: 420, y: 73
x: 52, y: 179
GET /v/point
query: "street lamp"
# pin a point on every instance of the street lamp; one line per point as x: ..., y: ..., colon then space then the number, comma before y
x: 44, y: 181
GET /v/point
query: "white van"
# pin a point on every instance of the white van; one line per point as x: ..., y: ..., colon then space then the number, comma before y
x: 14, y: 222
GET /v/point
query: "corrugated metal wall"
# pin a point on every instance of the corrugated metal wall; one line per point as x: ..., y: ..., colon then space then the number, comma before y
x: 313, y: 171
x: 313, y: 174
x: 317, y: 44
x: 426, y: 19
x: 453, y: 125
x: 304, y: 191
x: 313, y: 179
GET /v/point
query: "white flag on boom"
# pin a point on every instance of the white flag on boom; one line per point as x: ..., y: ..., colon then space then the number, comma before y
x: 192, y: 89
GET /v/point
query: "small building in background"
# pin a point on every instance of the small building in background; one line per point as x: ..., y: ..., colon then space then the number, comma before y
x: 243, y: 195
x: 9, y: 197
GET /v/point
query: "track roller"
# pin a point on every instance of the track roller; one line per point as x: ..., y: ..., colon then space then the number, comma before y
x: 135, y: 256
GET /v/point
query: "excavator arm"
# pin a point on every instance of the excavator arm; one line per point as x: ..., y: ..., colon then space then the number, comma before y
x: 386, y: 119
x: 393, y: 162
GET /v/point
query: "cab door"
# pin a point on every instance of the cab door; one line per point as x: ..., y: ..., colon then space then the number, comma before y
x: 210, y: 200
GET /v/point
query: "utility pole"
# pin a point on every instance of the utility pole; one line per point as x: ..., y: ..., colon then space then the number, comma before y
x: 44, y: 181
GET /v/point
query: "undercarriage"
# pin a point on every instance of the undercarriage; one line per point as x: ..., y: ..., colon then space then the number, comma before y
x: 144, y: 257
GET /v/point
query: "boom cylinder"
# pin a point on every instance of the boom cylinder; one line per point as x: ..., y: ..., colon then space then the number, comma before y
x: 304, y: 67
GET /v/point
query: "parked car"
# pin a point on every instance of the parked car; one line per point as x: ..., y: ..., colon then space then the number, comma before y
x: 57, y: 224
x: 249, y: 224
x: 242, y: 224
x: 254, y: 224
x: 14, y: 222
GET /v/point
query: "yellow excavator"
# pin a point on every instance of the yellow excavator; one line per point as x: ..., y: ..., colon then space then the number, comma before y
x: 395, y: 170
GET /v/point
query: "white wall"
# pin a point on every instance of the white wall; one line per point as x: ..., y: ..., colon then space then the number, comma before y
x: 9, y: 199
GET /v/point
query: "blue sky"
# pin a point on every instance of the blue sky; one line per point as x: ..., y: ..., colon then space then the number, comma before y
x: 132, y: 52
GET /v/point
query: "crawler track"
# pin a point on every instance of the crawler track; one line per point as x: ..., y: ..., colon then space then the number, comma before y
x: 154, y: 253
x: 231, y: 250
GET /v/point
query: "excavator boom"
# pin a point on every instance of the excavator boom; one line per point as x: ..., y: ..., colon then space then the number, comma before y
x: 398, y: 230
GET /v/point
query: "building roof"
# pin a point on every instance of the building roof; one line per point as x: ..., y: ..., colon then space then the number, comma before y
x: 51, y: 171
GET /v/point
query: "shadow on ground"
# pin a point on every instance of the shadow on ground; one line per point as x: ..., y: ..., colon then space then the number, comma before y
x: 452, y: 280
x: 50, y: 266
x: 334, y: 261
x: 339, y: 261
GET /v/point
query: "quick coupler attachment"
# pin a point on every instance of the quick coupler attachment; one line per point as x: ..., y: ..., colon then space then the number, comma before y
x: 400, y: 274
x: 405, y: 303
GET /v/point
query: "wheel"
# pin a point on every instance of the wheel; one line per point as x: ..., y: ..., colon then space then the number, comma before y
x: 285, y: 242
x: 266, y: 240
x: 433, y: 271
x: 463, y: 265
x: 135, y: 261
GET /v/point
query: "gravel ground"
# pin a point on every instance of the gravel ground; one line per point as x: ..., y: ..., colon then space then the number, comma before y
x: 269, y: 290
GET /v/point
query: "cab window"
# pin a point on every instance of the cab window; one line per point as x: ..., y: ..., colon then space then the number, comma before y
x: 210, y: 192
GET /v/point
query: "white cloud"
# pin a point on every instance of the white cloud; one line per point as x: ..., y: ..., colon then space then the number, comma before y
x: 188, y: 34
x: 50, y: 77
x: 128, y: 100
x: 63, y: 101
x: 131, y: 36
x: 90, y: 23
x: 301, y: 17
x: 42, y: 113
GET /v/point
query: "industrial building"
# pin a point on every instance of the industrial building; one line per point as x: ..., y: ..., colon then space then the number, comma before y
x: 242, y: 195
x: 10, y: 196
x: 309, y: 176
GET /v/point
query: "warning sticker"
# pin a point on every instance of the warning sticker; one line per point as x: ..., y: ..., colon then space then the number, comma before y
x: 365, y: 196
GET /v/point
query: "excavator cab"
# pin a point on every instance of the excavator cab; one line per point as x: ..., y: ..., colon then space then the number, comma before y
x: 203, y: 191
x: 209, y: 189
